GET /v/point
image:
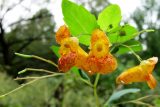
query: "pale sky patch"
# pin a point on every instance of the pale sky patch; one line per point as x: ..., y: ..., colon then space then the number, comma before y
x: 127, y: 8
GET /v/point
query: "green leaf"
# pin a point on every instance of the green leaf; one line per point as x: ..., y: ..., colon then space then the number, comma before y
x: 75, y: 70
x: 55, y: 49
x: 124, y: 34
x: 119, y: 94
x: 133, y: 44
x: 109, y: 18
x: 85, y: 40
x: 80, y: 21
x: 157, y: 102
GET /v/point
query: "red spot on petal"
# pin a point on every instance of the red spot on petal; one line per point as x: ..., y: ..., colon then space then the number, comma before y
x: 66, y: 62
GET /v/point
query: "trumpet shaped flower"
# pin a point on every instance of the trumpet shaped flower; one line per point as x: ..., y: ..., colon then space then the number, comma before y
x: 100, y: 59
x: 140, y: 73
x: 71, y: 53
x: 102, y: 65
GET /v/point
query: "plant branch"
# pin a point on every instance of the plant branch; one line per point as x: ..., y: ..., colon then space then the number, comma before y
x: 95, y: 90
x: 87, y: 82
x: 10, y: 8
x: 139, y: 101
x: 37, y: 70
x: 37, y: 57
x: 28, y: 83
x: 136, y: 55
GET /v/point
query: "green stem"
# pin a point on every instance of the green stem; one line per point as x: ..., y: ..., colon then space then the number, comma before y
x: 95, y: 90
x: 87, y: 82
x: 113, y: 48
x: 96, y: 80
x: 136, y: 102
x: 136, y: 55
x: 148, y: 96
x: 143, y: 31
x: 45, y: 60
x: 37, y: 57
x: 28, y: 83
x: 37, y: 70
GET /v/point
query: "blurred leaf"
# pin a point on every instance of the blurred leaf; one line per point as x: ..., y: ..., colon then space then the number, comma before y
x: 114, y: 30
x: 85, y: 40
x: 79, y: 20
x: 55, y: 49
x: 75, y: 70
x: 83, y: 75
x: 119, y: 94
x: 133, y: 44
x: 109, y: 18
x: 125, y: 33
x: 157, y: 102
x: 39, y: 91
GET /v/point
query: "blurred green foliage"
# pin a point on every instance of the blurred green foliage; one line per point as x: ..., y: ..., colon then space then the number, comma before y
x: 37, y: 94
x: 36, y: 36
x: 31, y: 36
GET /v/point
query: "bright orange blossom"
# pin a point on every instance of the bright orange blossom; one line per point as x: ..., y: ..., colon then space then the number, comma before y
x: 140, y: 73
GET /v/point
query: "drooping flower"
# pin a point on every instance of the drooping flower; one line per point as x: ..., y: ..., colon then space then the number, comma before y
x: 100, y: 60
x: 102, y: 65
x: 71, y: 53
x: 140, y: 73
x: 99, y: 44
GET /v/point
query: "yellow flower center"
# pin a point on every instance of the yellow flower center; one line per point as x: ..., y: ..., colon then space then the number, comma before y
x: 100, y: 49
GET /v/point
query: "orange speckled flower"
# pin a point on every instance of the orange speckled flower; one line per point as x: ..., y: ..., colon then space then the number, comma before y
x: 71, y: 55
x: 103, y: 65
x: 62, y: 33
x: 99, y: 35
x: 99, y: 59
x: 69, y: 44
x: 66, y: 62
x: 99, y: 43
x: 140, y: 73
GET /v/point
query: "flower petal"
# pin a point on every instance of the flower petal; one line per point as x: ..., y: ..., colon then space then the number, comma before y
x: 140, y: 73
x: 149, y: 64
x: 62, y: 33
x: 135, y: 74
x: 66, y: 62
x: 69, y: 45
x: 102, y: 65
x: 151, y: 81
x: 99, y: 35
x: 100, y: 49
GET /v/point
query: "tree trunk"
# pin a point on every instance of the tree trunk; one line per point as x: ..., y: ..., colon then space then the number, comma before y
x: 4, y: 45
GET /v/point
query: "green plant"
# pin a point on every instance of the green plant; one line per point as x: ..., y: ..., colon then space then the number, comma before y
x: 81, y: 24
